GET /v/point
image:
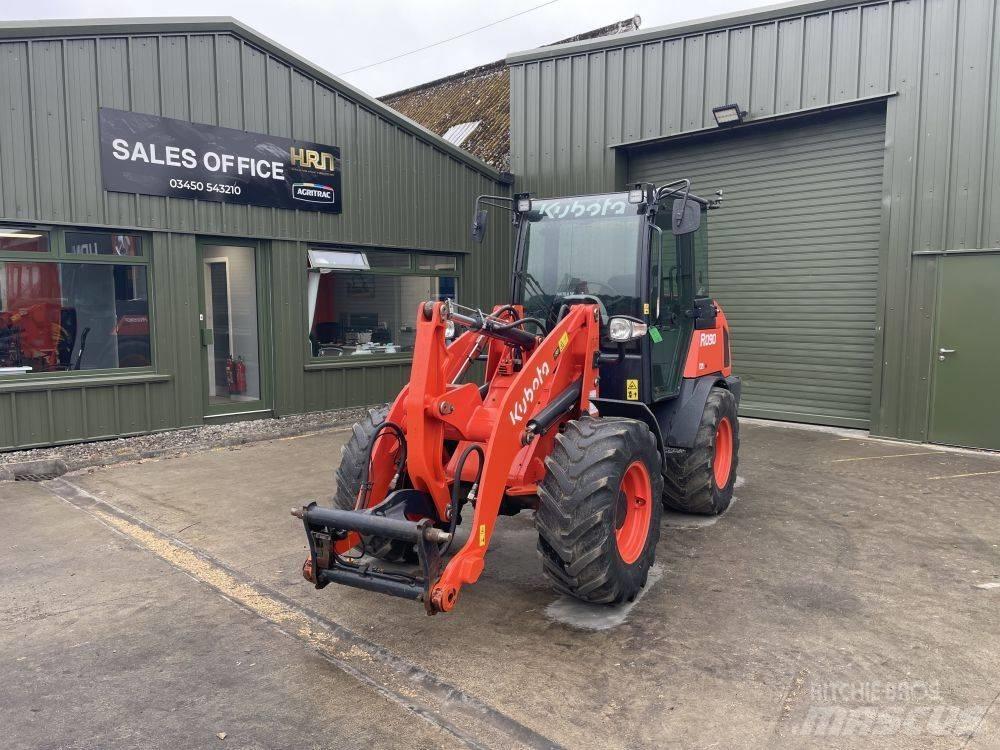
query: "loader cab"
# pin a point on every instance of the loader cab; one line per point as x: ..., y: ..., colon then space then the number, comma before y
x: 641, y: 254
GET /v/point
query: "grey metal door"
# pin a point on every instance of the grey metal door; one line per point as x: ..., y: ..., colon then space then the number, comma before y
x: 965, y: 409
x: 793, y: 255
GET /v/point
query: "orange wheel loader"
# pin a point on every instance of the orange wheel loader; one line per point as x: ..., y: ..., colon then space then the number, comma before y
x: 607, y: 394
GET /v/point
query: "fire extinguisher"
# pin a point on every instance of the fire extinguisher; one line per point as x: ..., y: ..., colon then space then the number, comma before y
x: 230, y: 374
x: 241, y: 375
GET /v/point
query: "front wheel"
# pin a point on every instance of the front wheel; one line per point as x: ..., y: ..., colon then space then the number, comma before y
x: 701, y: 480
x: 598, y: 516
x: 351, y: 473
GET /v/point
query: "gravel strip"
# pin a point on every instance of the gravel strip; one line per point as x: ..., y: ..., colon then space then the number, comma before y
x: 104, y: 452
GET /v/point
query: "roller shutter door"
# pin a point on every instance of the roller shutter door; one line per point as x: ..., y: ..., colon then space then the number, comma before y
x: 793, y: 255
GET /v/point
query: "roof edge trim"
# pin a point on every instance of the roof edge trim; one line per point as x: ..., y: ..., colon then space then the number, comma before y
x: 793, y: 114
x: 684, y: 28
x: 49, y: 29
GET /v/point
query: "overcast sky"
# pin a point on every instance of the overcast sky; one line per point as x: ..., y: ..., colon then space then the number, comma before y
x: 340, y: 36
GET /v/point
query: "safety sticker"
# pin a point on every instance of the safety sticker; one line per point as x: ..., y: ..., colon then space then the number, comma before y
x: 482, y: 535
x: 654, y: 334
x: 645, y: 308
x: 563, y: 341
x: 632, y: 389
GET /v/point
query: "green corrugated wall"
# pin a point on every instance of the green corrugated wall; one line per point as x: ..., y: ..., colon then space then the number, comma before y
x: 937, y: 62
x: 402, y: 188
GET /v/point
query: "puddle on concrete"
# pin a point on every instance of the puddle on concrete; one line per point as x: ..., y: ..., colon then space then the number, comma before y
x: 570, y: 611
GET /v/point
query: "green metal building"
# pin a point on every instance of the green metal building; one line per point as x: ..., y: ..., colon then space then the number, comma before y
x: 198, y: 225
x: 857, y: 253
x: 269, y: 263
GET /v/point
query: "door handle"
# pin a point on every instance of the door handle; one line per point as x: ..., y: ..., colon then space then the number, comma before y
x: 943, y: 352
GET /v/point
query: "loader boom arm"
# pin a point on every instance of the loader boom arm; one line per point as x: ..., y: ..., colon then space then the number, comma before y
x: 432, y: 409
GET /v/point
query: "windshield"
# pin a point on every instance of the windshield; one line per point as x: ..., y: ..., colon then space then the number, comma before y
x: 575, y: 246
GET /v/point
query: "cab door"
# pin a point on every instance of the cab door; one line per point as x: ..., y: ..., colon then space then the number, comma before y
x: 669, y: 324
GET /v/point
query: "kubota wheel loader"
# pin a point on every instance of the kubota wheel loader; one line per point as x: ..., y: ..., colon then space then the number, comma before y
x: 608, y: 394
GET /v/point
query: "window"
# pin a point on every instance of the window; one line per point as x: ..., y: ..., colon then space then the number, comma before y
x: 366, y: 303
x: 62, y: 313
x: 700, y: 240
x: 23, y: 240
x: 570, y: 255
x: 103, y: 243
x: 458, y: 133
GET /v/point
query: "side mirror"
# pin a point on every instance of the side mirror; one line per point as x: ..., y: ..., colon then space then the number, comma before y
x: 479, y: 226
x: 686, y: 216
x: 704, y: 312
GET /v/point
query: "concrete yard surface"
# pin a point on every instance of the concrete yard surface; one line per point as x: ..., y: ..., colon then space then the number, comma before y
x: 847, y: 599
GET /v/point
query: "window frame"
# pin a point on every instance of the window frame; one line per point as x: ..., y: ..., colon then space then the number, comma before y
x: 57, y: 253
x: 411, y: 270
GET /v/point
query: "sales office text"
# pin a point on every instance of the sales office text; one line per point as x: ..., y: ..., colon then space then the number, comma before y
x: 175, y: 156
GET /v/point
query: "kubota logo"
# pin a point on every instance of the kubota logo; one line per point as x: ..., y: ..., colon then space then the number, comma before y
x: 709, y: 339
x: 528, y: 396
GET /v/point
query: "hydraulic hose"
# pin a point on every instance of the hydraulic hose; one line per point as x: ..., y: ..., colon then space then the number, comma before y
x: 456, y: 490
x: 503, y: 331
x: 520, y: 322
x: 366, y: 485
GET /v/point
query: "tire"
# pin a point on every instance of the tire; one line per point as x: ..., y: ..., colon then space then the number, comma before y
x: 691, y: 483
x: 597, y: 535
x: 349, y: 475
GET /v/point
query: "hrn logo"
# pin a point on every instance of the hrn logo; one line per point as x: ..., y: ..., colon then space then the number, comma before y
x: 307, y: 158
x: 521, y: 407
x: 709, y: 339
x: 313, y: 193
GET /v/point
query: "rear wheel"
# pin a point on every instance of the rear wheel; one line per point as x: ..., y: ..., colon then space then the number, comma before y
x: 349, y: 475
x: 701, y: 480
x: 598, y: 517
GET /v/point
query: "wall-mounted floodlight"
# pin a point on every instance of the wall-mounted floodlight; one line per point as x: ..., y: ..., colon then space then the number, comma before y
x: 728, y: 114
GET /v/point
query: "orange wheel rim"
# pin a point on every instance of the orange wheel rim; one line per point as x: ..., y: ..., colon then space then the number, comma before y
x: 722, y: 462
x: 633, y: 512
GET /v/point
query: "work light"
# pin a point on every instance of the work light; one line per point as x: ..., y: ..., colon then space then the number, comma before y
x: 728, y: 114
x: 625, y: 329
x: 636, y: 194
x: 523, y: 204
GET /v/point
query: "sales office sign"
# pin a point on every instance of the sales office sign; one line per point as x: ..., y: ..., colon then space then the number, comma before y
x: 154, y: 155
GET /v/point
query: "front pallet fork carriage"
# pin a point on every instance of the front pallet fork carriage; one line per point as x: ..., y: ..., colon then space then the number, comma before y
x: 608, y: 391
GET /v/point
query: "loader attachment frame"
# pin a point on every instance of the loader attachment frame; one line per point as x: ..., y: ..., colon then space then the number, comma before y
x: 534, y: 384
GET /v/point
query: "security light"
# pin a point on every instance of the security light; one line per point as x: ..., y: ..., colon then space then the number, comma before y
x: 728, y: 114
